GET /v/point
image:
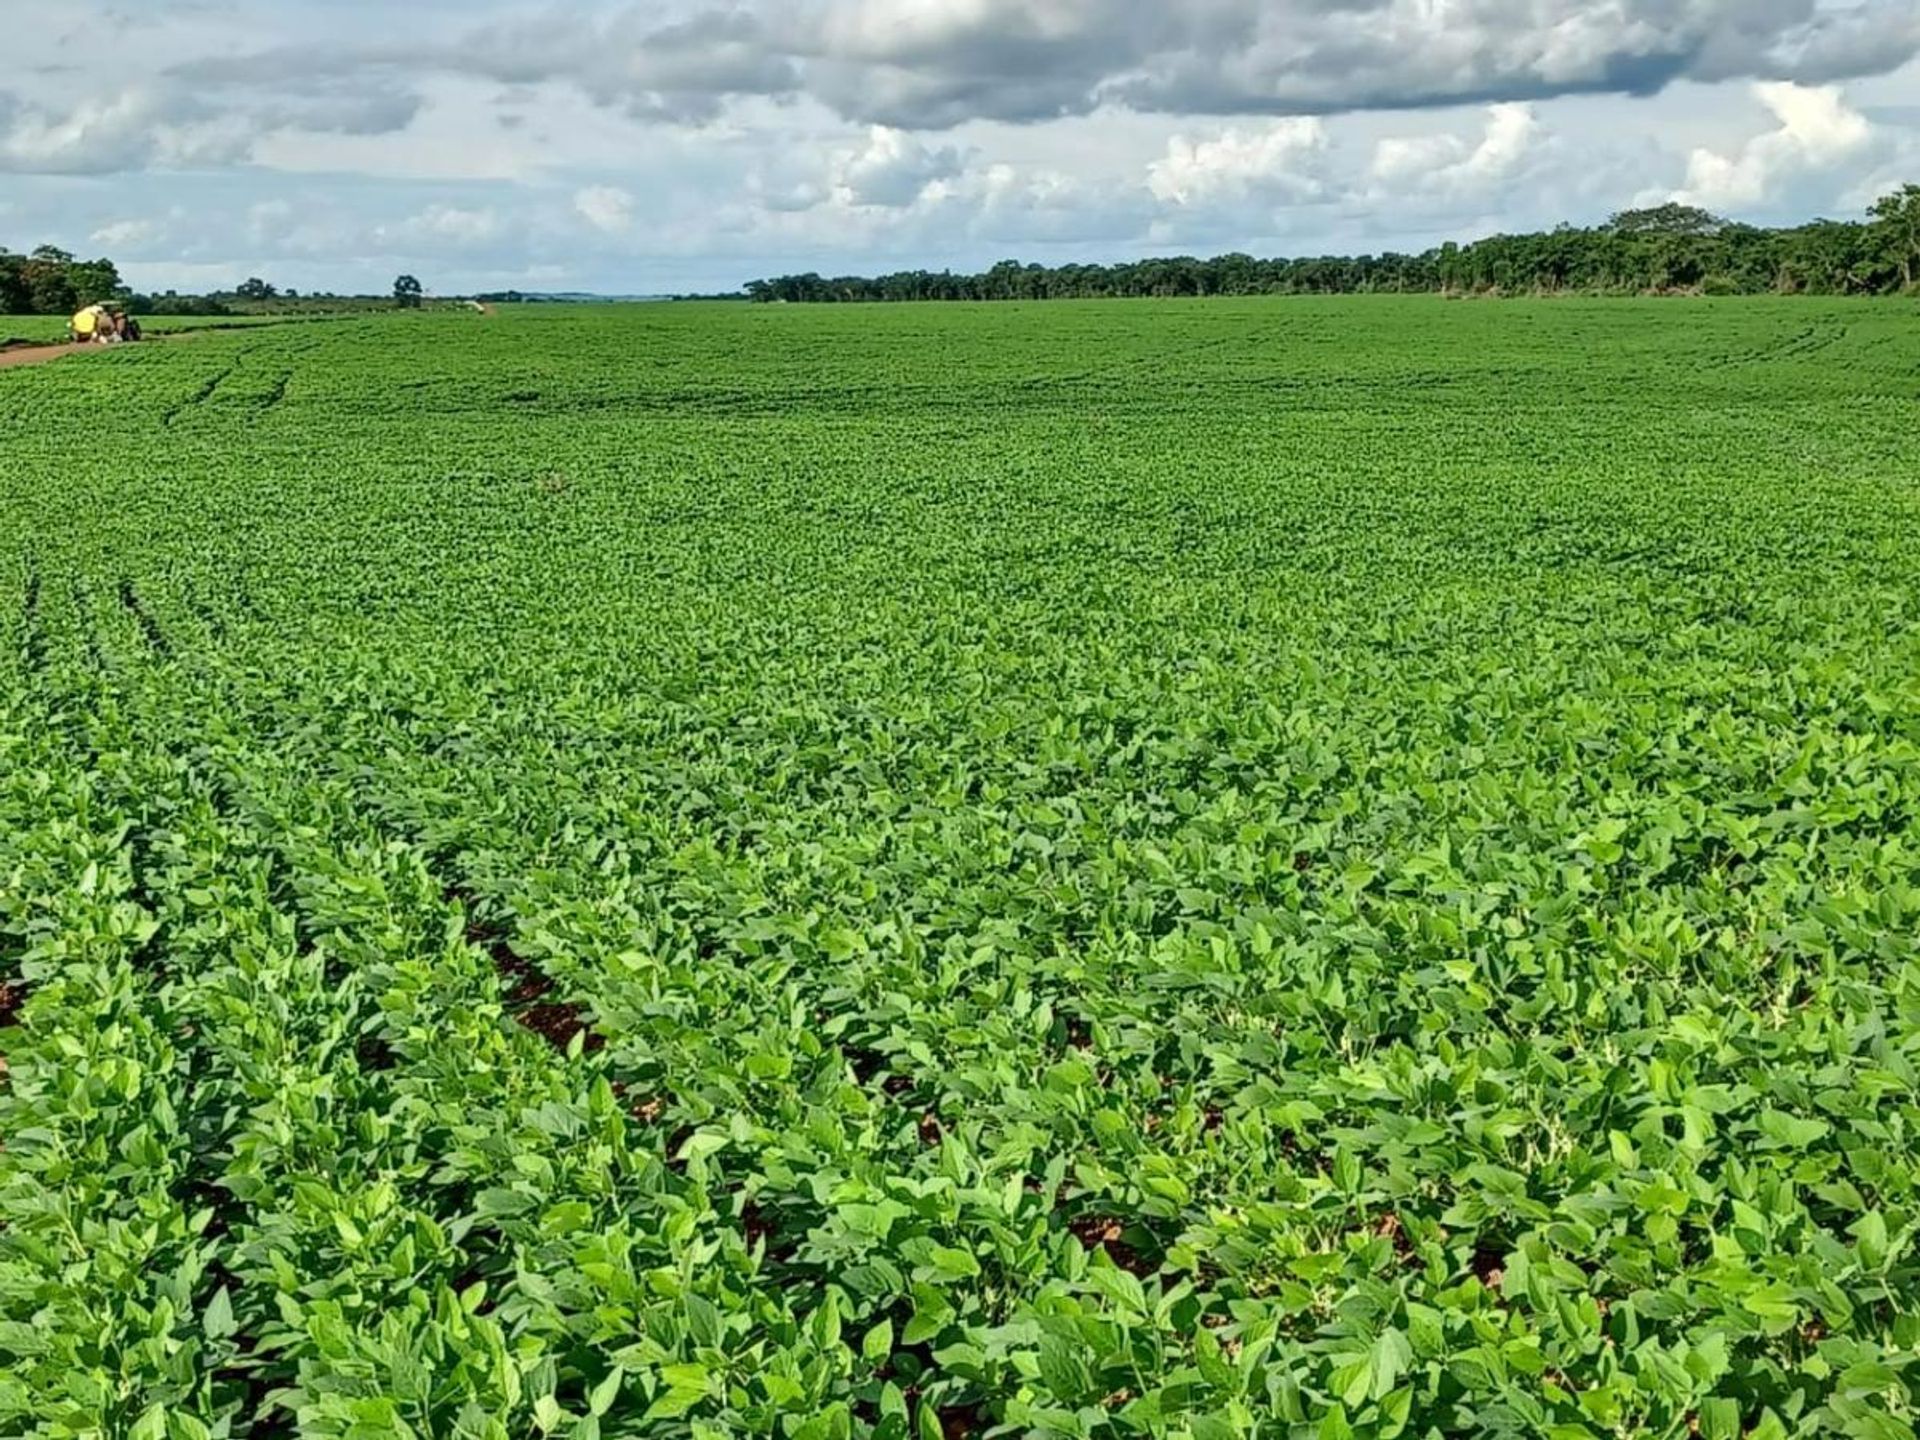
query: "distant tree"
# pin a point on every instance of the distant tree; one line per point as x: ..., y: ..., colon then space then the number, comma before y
x: 407, y: 292
x: 1668, y: 219
x: 254, y: 288
x: 94, y: 280
x: 1897, y: 222
x: 49, y: 285
x: 1828, y: 257
x: 15, y: 299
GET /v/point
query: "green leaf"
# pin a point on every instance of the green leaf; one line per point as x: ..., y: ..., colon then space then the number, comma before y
x: 1390, y: 1356
x: 701, y: 1144
x: 704, y: 1322
x: 678, y: 1399
x: 1790, y: 1131
x: 1396, y: 1409
x: 1352, y: 1380
x: 604, y: 1394
x: 217, y: 1320
x: 1719, y: 1419
x: 1119, y: 1286
x: 1212, y: 1362
x: 954, y: 1263
x: 1870, y: 1238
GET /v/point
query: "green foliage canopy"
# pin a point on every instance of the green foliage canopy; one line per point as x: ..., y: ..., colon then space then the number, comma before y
x: 1338, y: 868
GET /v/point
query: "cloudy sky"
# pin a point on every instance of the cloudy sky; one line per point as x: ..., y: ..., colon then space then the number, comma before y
x: 694, y: 144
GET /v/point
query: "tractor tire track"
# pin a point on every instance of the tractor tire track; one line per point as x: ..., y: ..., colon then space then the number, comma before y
x: 33, y: 644
x: 276, y: 393
x: 149, y: 627
x: 199, y: 397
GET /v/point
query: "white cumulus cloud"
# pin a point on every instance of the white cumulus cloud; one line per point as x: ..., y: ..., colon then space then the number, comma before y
x: 455, y: 223
x: 129, y: 130
x: 1281, y: 159
x: 1452, y: 164
x: 1816, y: 129
x: 440, y: 225
x: 891, y: 168
x: 605, y: 207
x: 128, y: 234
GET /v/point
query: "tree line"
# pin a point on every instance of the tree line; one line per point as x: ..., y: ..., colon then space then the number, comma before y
x: 52, y: 281
x: 1666, y: 249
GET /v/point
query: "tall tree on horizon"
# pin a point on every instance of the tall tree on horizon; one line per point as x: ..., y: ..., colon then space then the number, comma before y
x: 1897, y: 218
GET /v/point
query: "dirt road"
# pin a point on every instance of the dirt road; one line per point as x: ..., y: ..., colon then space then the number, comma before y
x: 39, y: 354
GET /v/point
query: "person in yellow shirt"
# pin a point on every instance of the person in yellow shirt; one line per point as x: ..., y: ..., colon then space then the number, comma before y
x: 92, y: 323
x: 105, y: 324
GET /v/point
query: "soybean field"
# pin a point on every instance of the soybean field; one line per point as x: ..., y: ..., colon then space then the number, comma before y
x: 1276, y: 868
